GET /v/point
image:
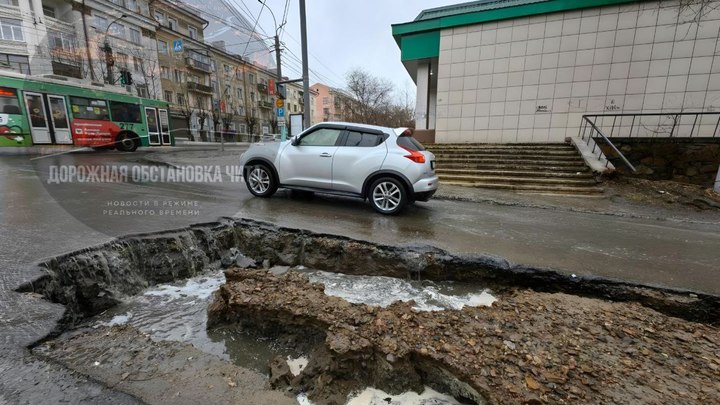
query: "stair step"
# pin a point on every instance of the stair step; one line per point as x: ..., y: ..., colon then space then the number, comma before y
x: 510, y: 161
x: 516, y: 173
x: 500, y: 166
x: 530, y: 188
x: 508, y: 155
x: 516, y: 179
x: 485, y: 152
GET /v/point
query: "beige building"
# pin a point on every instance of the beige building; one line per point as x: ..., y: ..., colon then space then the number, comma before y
x: 527, y: 71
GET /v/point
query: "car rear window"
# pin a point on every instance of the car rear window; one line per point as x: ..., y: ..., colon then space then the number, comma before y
x: 408, y: 142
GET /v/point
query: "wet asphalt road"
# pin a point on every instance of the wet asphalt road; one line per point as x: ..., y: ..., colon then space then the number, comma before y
x: 39, y: 220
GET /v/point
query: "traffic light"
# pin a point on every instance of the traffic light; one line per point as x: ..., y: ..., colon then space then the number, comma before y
x: 280, y: 90
x: 126, y: 78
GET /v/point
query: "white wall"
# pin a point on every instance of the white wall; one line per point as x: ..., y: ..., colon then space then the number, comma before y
x: 495, y: 78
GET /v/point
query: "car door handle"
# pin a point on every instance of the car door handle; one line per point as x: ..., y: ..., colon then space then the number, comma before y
x: 325, y: 155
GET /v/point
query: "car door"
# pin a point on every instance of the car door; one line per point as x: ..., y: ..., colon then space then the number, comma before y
x: 309, y: 162
x: 361, y: 153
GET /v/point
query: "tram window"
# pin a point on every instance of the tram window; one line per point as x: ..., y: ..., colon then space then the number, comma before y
x: 89, y: 109
x: 9, y: 103
x: 125, y: 112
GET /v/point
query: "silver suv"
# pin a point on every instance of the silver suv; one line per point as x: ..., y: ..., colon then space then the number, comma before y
x: 384, y: 165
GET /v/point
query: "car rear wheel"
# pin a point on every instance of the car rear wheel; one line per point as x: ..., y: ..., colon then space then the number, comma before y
x: 387, y: 196
x: 260, y: 181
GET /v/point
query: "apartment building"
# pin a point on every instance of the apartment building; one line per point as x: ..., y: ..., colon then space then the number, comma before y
x: 67, y: 39
x: 184, y: 67
x: 329, y: 103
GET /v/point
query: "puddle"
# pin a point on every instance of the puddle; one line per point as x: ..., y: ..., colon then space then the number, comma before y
x: 373, y: 396
x: 178, y: 312
x: 382, y: 291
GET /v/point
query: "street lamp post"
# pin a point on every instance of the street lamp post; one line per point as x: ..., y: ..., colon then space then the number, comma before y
x: 109, y: 62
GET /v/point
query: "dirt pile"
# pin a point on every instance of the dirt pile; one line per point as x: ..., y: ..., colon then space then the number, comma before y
x: 664, y: 193
x: 529, y: 347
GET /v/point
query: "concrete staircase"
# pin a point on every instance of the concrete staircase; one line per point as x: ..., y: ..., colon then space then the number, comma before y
x: 555, y: 168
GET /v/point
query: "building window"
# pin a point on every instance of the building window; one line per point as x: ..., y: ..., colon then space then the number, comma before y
x: 180, y: 98
x: 159, y: 16
x: 178, y: 76
x: 251, y: 78
x: 227, y: 91
x: 9, y: 2
x: 49, y: 11
x: 168, y: 96
x: 165, y: 72
x: 131, y: 5
x: 17, y: 63
x: 60, y: 41
x: 142, y: 90
x: 193, y: 78
x: 135, y: 36
x: 137, y: 64
x: 326, y: 100
x: 192, y: 32
x: 162, y: 47
x: 252, y: 96
x: 172, y: 23
x: 121, y: 60
x: 100, y: 23
x: 11, y: 30
x: 117, y: 30
x: 240, y: 93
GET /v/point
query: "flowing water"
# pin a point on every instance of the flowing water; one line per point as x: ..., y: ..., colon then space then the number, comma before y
x: 178, y: 312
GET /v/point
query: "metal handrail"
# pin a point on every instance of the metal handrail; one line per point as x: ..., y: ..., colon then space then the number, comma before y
x: 605, y: 138
x: 676, y: 118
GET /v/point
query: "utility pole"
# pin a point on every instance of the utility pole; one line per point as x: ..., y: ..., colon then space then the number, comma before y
x: 306, y: 77
x: 283, y: 128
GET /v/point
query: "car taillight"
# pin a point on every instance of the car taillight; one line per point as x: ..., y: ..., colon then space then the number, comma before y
x: 414, y: 155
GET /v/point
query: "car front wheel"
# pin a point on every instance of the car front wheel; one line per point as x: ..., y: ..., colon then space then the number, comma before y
x: 260, y: 181
x: 387, y: 196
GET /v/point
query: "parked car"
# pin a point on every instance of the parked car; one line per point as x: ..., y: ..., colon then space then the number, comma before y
x: 386, y: 166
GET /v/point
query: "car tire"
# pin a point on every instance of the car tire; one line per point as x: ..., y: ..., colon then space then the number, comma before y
x: 260, y: 180
x: 387, y: 195
x: 126, y: 142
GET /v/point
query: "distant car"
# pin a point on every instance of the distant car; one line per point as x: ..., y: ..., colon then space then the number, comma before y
x: 386, y: 166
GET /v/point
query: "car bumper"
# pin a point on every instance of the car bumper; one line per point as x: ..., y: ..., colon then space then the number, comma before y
x: 425, y: 188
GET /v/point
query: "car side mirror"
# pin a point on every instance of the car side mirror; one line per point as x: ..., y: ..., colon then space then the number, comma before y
x: 295, y: 142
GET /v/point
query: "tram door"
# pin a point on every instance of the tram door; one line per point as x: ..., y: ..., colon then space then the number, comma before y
x: 48, y: 117
x: 39, y: 127
x: 153, y: 128
x: 164, y: 127
x: 59, y: 119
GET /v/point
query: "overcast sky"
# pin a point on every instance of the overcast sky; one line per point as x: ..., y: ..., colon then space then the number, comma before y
x: 343, y: 35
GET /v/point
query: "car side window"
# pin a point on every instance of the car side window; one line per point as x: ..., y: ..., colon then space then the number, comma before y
x: 321, y: 137
x: 360, y: 139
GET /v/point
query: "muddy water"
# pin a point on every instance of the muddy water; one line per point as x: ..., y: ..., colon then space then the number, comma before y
x: 382, y: 291
x: 178, y: 312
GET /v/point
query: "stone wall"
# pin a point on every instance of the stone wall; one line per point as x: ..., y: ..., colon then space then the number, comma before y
x: 685, y: 160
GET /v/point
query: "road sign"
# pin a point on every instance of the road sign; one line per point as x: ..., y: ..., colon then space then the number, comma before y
x: 281, y: 112
x: 279, y: 103
x: 177, y: 46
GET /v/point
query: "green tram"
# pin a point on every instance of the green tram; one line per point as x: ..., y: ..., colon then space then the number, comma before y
x: 44, y: 111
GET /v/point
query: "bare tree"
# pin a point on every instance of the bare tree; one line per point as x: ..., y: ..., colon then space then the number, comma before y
x: 370, y: 100
x: 694, y: 11
x: 369, y: 95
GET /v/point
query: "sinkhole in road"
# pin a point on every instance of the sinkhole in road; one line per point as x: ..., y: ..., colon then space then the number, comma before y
x: 131, y: 279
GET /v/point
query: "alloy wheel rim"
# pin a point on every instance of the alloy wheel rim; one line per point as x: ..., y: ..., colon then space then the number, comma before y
x: 387, y: 196
x: 259, y: 180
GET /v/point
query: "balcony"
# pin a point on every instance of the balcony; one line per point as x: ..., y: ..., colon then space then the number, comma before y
x: 199, y: 88
x: 262, y: 88
x: 197, y: 65
x: 266, y: 104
